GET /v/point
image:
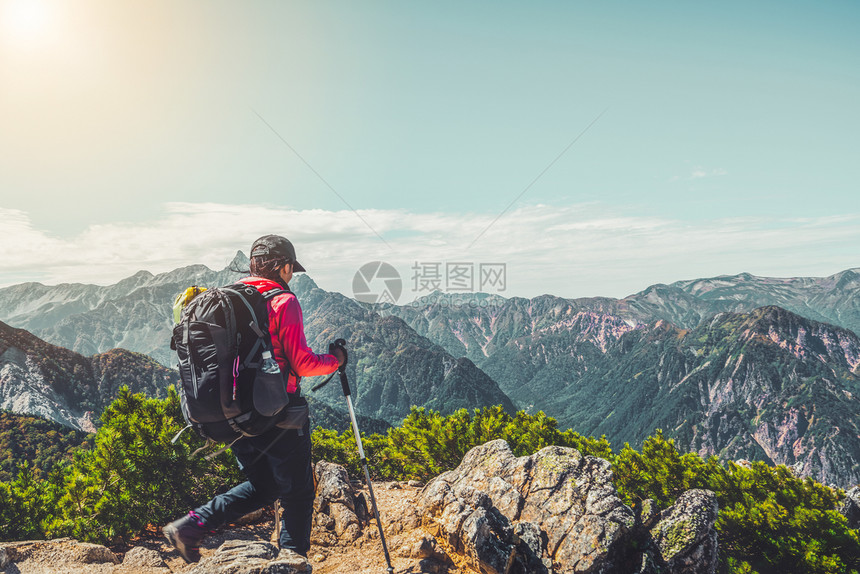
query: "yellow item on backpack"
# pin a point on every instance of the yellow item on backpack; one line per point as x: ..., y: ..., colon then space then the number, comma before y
x: 183, y: 299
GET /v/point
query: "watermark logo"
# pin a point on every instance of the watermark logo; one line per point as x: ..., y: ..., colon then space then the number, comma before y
x: 459, y: 277
x: 448, y: 283
x: 377, y: 282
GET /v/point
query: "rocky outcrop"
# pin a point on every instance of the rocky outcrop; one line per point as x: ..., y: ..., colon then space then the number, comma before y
x: 557, y: 511
x: 554, y: 511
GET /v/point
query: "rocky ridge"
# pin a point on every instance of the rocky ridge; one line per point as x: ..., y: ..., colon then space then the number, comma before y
x: 834, y: 299
x: 557, y: 511
x: 552, y: 512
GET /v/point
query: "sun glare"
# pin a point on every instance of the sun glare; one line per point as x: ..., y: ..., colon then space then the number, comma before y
x: 25, y: 23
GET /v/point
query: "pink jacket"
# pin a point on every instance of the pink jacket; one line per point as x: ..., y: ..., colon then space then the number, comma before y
x: 286, y: 327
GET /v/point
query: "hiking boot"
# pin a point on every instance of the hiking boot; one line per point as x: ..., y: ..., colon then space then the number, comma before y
x: 185, y: 535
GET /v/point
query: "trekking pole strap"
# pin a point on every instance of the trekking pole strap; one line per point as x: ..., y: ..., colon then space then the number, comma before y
x: 212, y: 455
x: 176, y: 438
x: 324, y: 383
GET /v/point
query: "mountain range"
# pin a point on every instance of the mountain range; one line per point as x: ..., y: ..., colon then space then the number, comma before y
x: 737, y: 366
x: 394, y: 367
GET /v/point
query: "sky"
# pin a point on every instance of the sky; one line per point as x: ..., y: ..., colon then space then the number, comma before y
x: 591, y: 148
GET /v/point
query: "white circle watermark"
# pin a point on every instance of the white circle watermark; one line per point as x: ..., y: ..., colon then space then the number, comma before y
x: 377, y: 282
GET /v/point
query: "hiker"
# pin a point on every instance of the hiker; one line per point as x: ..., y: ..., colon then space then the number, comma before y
x: 277, y: 463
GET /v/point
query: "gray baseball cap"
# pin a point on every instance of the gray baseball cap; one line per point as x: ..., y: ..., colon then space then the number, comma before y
x: 275, y: 246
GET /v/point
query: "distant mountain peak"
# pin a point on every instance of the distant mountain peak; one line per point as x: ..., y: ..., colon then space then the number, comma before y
x: 135, y: 280
x: 302, y: 283
x: 240, y: 261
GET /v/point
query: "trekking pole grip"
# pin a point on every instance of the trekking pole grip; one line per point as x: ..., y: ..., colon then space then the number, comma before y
x: 344, y: 383
x: 339, y: 344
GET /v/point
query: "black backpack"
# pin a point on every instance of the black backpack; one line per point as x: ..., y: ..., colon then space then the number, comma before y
x: 220, y: 339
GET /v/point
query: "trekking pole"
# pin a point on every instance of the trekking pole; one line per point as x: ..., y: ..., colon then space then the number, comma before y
x: 278, y: 521
x: 344, y: 384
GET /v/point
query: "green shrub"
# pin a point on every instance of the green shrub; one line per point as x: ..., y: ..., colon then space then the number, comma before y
x: 770, y: 521
x: 427, y: 443
x: 131, y: 478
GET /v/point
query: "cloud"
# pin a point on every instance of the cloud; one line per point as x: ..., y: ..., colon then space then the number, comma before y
x: 700, y: 173
x: 574, y: 250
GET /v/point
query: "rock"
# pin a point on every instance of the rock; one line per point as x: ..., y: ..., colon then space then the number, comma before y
x: 324, y: 521
x: 423, y: 547
x: 685, y: 534
x: 86, y: 553
x: 530, y: 546
x: 850, y: 507
x: 4, y: 558
x: 407, y: 519
x: 323, y: 538
x: 346, y: 524
x: 58, y: 555
x: 140, y: 557
x: 427, y: 547
x: 362, y: 510
x: 340, y: 512
x: 254, y: 557
x: 332, y: 486
x: 289, y: 561
x: 569, y: 509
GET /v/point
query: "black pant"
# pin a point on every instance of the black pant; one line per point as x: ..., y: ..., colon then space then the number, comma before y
x: 284, y: 472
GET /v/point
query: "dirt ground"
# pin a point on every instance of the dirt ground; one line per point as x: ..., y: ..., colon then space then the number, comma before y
x: 364, y: 556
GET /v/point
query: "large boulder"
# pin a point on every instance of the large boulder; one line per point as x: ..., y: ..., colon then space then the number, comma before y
x: 685, y: 534
x: 553, y: 510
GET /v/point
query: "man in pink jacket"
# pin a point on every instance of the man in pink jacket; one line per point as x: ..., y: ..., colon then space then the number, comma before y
x: 278, y: 462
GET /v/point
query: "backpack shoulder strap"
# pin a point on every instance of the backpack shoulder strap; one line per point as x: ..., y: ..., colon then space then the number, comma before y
x: 269, y: 295
x: 245, y: 301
